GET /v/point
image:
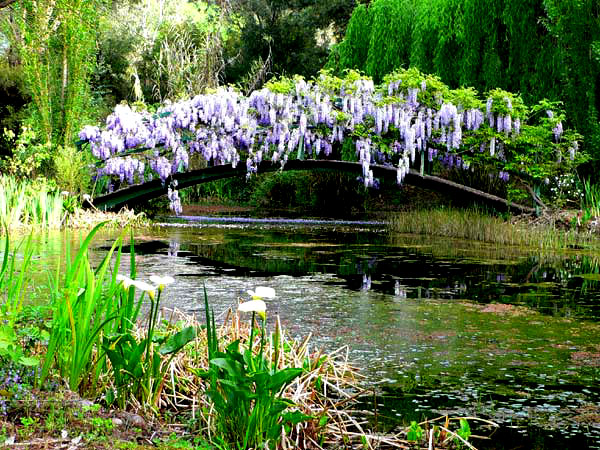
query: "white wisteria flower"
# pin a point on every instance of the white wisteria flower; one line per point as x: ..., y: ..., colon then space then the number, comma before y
x: 262, y: 292
x: 161, y: 282
x: 257, y: 306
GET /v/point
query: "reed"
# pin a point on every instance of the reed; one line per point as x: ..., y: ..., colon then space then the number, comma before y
x: 25, y: 204
x: 14, y: 278
x: 591, y: 198
x: 475, y: 225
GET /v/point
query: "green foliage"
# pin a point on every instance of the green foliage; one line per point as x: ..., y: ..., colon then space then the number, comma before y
x: 83, y: 303
x: 56, y: 43
x: 175, y: 52
x: 539, y: 48
x: 389, y: 44
x: 353, y: 51
x: 591, y: 198
x: 246, y: 390
x: 415, y: 432
x: 13, y: 97
x: 11, y: 349
x: 30, y: 157
x: 287, y: 37
x: 464, y: 431
x: 336, y: 193
x: 71, y: 170
x: 25, y: 203
x: 14, y: 279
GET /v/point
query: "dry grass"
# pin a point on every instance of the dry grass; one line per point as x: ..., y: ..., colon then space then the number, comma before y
x: 89, y: 218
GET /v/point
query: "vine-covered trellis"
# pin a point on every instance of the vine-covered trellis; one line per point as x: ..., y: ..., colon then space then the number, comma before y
x: 409, y: 117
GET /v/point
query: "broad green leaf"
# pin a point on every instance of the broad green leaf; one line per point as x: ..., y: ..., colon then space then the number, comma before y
x: 178, y: 341
x: 30, y: 361
x: 284, y: 377
x: 233, y: 368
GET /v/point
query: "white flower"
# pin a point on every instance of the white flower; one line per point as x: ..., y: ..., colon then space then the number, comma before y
x: 257, y: 306
x: 125, y: 280
x: 161, y: 282
x: 146, y: 287
x: 262, y: 292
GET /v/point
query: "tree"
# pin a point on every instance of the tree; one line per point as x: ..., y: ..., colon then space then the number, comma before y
x: 56, y: 44
x: 539, y: 48
x: 291, y: 37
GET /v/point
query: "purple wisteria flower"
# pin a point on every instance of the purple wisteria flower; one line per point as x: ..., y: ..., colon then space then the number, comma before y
x: 389, y: 126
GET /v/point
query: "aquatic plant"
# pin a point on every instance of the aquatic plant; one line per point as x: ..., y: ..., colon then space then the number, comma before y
x: 24, y: 203
x: 14, y: 278
x: 84, y: 303
x: 590, y: 200
x: 480, y: 226
x: 246, y: 388
x: 137, y: 363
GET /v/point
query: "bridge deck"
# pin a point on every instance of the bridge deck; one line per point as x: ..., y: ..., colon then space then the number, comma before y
x: 134, y: 195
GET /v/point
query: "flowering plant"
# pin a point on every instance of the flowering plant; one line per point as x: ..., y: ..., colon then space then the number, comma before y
x: 409, y: 117
x: 137, y: 365
x: 245, y: 388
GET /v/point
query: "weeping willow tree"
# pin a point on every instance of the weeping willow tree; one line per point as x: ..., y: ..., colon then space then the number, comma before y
x: 56, y: 43
x: 575, y: 28
x: 353, y: 51
x: 389, y: 46
x: 539, y: 48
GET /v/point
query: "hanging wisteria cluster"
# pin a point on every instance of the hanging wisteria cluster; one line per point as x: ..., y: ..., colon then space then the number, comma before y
x: 389, y: 124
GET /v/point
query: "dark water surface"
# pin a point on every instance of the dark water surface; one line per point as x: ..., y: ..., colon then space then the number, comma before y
x: 439, y: 326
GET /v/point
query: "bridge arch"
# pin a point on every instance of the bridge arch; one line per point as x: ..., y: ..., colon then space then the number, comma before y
x: 132, y: 196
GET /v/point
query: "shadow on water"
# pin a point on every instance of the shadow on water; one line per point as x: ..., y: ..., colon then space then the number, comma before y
x: 440, y: 326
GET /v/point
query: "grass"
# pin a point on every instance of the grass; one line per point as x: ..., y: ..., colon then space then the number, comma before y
x: 591, y: 198
x: 476, y: 225
x: 26, y: 204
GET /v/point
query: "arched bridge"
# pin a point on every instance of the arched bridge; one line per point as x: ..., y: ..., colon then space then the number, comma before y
x: 134, y: 195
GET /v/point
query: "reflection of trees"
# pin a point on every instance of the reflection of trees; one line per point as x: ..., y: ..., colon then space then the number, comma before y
x: 417, y: 268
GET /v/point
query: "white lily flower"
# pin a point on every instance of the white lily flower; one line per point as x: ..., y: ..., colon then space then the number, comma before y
x: 146, y: 287
x: 257, y: 306
x: 125, y: 280
x: 161, y: 282
x: 262, y: 292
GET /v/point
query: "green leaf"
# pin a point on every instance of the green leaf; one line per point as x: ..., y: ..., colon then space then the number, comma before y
x: 29, y: 361
x: 296, y: 417
x: 233, y: 368
x: 283, y: 377
x: 323, y: 420
x: 178, y: 341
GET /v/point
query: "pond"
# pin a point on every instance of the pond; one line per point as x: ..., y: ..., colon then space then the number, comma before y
x: 438, y: 326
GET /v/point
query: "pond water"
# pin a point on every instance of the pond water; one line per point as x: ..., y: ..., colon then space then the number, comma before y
x: 439, y: 326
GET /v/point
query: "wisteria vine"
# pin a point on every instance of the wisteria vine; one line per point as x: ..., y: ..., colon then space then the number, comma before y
x: 410, y: 114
